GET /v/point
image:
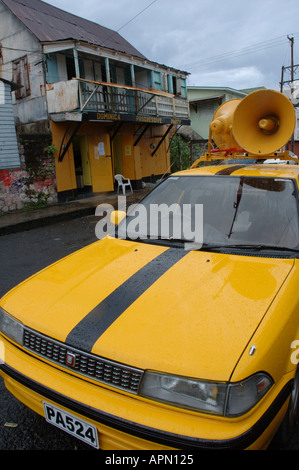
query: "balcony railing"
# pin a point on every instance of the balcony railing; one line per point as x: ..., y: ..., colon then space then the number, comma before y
x: 96, y: 97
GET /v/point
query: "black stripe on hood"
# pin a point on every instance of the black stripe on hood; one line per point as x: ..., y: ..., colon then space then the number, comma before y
x: 229, y: 170
x: 90, y: 328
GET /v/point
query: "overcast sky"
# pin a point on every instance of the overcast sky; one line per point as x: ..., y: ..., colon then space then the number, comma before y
x: 233, y: 43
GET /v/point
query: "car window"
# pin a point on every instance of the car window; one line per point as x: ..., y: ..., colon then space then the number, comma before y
x: 236, y: 209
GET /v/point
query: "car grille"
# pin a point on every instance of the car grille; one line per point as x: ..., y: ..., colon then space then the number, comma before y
x: 98, y: 368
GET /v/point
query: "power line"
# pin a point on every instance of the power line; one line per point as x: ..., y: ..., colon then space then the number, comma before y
x: 248, y: 49
x: 254, y: 48
x: 231, y: 55
x: 134, y: 17
x: 21, y: 50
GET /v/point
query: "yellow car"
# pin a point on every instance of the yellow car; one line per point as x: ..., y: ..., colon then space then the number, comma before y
x: 159, y: 338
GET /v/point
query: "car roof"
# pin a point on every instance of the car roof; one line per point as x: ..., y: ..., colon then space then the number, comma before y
x: 271, y: 171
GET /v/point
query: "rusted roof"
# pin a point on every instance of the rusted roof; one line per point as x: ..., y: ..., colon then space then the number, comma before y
x: 14, y: 86
x: 49, y: 23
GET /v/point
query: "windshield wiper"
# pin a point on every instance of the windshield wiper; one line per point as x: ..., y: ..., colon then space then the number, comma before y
x: 257, y: 247
x: 236, y: 205
x: 176, y: 242
x: 275, y: 247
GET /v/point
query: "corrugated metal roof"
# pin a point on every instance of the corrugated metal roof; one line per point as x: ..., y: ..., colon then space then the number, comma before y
x: 49, y: 23
x: 14, y: 86
x: 207, y: 98
x: 9, y: 152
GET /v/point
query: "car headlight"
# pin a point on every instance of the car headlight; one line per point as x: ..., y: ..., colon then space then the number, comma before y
x: 226, y: 399
x: 10, y: 327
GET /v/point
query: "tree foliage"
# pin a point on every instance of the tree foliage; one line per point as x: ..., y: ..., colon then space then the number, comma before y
x: 179, y: 154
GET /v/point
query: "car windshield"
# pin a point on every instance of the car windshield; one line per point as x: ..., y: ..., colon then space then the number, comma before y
x: 227, y: 210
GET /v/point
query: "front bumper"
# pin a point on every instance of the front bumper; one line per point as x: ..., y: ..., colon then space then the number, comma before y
x: 152, y: 426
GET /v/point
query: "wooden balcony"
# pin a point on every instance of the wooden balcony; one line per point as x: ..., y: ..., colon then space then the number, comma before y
x: 108, y: 101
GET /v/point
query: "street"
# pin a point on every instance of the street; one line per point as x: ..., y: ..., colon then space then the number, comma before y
x: 23, y: 254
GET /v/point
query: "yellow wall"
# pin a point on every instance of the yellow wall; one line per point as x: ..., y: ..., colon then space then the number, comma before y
x: 136, y: 162
x: 127, y: 146
x: 100, y: 163
x: 117, y: 155
x: 84, y: 148
x: 140, y: 163
x: 65, y: 170
x: 99, y: 157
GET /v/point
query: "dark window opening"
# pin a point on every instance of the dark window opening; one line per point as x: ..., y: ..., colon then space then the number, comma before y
x: 174, y: 85
x: 20, y: 71
x: 70, y: 68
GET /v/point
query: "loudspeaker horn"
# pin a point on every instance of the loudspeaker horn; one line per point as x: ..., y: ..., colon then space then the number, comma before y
x: 260, y: 124
x: 221, y: 125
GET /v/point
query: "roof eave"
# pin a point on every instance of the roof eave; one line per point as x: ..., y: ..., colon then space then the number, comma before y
x: 71, y: 43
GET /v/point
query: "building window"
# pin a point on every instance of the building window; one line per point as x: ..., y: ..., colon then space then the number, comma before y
x: 20, y: 71
x: 52, y: 75
x: 183, y: 88
x: 157, y: 80
x: 170, y: 83
x: 177, y: 86
x: 70, y: 67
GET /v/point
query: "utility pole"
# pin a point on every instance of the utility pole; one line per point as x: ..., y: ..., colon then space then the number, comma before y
x: 292, y: 69
x: 292, y: 83
x: 281, y: 80
x: 292, y: 63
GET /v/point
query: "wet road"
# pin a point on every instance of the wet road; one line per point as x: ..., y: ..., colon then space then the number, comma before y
x: 23, y: 254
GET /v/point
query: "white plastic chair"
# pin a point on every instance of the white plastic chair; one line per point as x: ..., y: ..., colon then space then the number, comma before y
x: 122, y: 183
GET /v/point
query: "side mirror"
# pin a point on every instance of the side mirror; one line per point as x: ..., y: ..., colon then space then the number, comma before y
x: 117, y: 216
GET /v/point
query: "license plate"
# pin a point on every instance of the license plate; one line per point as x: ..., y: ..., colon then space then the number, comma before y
x: 71, y: 424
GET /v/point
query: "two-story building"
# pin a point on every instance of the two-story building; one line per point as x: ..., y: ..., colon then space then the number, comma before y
x: 203, y: 102
x: 107, y: 108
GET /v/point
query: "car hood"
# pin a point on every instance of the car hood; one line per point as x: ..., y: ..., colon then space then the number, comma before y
x: 153, y: 307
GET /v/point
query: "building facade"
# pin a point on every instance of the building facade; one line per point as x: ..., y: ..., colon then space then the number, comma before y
x: 204, y: 101
x: 87, y: 93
